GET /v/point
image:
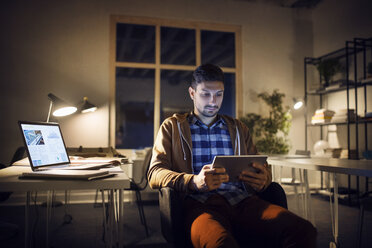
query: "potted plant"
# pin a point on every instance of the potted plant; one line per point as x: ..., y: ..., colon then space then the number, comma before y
x: 270, y: 133
x: 327, y: 69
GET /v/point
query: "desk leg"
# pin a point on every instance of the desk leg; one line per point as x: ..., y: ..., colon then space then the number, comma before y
x: 27, y: 216
x: 48, y: 214
x: 309, y: 204
x: 334, y: 213
x: 121, y: 218
x: 105, y: 237
x: 108, y: 217
x: 304, y: 191
x: 116, y: 216
x: 111, y: 217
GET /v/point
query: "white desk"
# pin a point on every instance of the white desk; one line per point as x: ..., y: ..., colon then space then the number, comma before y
x: 334, y: 166
x: 9, y: 182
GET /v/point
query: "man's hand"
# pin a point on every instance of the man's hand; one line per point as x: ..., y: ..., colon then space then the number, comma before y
x: 209, y: 178
x: 256, y: 180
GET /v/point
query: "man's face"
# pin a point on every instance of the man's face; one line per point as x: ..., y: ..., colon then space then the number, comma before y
x: 207, y: 98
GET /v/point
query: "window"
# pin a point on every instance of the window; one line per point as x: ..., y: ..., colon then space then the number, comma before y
x: 134, y: 107
x: 152, y: 61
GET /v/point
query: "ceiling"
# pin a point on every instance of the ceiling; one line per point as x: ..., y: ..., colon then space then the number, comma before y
x: 288, y: 3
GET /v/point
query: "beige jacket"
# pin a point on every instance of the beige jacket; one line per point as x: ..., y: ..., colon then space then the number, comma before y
x: 171, y: 163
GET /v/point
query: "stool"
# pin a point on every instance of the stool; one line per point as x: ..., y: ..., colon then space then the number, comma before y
x: 301, y: 183
x: 297, y: 184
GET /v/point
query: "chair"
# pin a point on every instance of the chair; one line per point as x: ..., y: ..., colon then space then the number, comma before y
x: 8, y: 230
x: 364, y: 204
x: 137, y: 187
x: 298, y: 184
x: 171, y: 211
x: 18, y: 155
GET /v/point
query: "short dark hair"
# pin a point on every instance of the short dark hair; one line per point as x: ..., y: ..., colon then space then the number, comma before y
x: 207, y: 73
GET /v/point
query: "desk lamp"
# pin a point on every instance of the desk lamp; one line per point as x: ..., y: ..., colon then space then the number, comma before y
x: 87, y: 107
x: 298, y: 103
x: 61, y: 107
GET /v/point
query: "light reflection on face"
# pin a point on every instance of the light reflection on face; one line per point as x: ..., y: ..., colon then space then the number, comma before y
x: 207, y: 97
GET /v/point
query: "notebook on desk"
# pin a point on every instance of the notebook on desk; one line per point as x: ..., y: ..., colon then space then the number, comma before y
x: 46, y: 151
x: 67, y: 174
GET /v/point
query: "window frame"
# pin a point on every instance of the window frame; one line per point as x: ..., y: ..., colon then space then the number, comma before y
x: 157, y: 66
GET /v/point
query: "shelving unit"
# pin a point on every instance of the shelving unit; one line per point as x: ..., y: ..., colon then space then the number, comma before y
x: 354, y: 57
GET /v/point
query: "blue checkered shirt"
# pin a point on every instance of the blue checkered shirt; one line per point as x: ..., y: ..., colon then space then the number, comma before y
x: 207, y: 142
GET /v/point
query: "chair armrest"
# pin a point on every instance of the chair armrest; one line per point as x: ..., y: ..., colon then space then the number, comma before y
x: 171, y: 215
x: 274, y: 194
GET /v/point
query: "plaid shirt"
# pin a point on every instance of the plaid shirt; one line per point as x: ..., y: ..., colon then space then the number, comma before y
x: 207, y: 142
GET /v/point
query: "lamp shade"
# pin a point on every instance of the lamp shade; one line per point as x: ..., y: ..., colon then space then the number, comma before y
x: 61, y: 108
x: 87, y: 106
x: 297, y: 103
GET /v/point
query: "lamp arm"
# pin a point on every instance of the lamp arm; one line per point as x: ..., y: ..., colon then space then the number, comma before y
x: 50, y: 110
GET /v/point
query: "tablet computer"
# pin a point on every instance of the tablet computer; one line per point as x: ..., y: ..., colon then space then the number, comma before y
x: 234, y: 165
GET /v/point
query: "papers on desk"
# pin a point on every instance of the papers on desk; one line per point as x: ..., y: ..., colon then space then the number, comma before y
x: 93, y: 160
x: 115, y: 169
x: 80, y: 160
x: 67, y: 174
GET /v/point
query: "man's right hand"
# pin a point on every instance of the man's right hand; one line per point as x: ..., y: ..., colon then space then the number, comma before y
x: 209, y: 178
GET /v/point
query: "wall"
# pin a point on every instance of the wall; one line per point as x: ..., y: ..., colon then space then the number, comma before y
x: 336, y: 21
x: 59, y: 48
x: 62, y: 47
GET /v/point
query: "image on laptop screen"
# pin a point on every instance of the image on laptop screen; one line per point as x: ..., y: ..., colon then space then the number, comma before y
x: 44, y: 143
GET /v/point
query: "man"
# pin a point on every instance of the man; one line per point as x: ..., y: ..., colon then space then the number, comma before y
x: 220, y: 213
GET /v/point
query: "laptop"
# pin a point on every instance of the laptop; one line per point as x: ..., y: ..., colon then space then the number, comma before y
x: 46, y: 149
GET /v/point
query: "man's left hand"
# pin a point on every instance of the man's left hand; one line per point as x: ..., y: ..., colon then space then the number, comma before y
x: 257, y: 180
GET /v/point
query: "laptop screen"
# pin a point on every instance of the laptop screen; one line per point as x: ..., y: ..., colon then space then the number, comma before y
x: 44, y: 144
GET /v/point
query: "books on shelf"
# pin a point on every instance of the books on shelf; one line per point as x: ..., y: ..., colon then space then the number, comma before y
x: 341, y: 115
x: 345, y: 154
x: 334, y: 152
x: 325, y: 112
x: 322, y: 116
x: 320, y: 121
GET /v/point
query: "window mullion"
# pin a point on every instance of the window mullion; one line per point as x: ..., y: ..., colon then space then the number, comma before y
x: 238, y: 78
x: 198, y: 46
x: 157, y: 82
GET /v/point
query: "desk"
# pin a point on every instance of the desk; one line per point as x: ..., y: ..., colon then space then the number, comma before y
x: 9, y: 182
x: 334, y: 166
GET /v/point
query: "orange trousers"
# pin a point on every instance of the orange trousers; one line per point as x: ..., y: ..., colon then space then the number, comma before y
x: 251, y: 223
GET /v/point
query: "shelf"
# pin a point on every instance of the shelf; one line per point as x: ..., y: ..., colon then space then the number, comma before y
x: 342, y: 88
x: 328, y: 123
x: 367, y: 81
x: 324, y: 91
x: 364, y: 121
x: 354, y: 58
x: 338, y: 54
x: 363, y: 42
x: 339, y: 123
